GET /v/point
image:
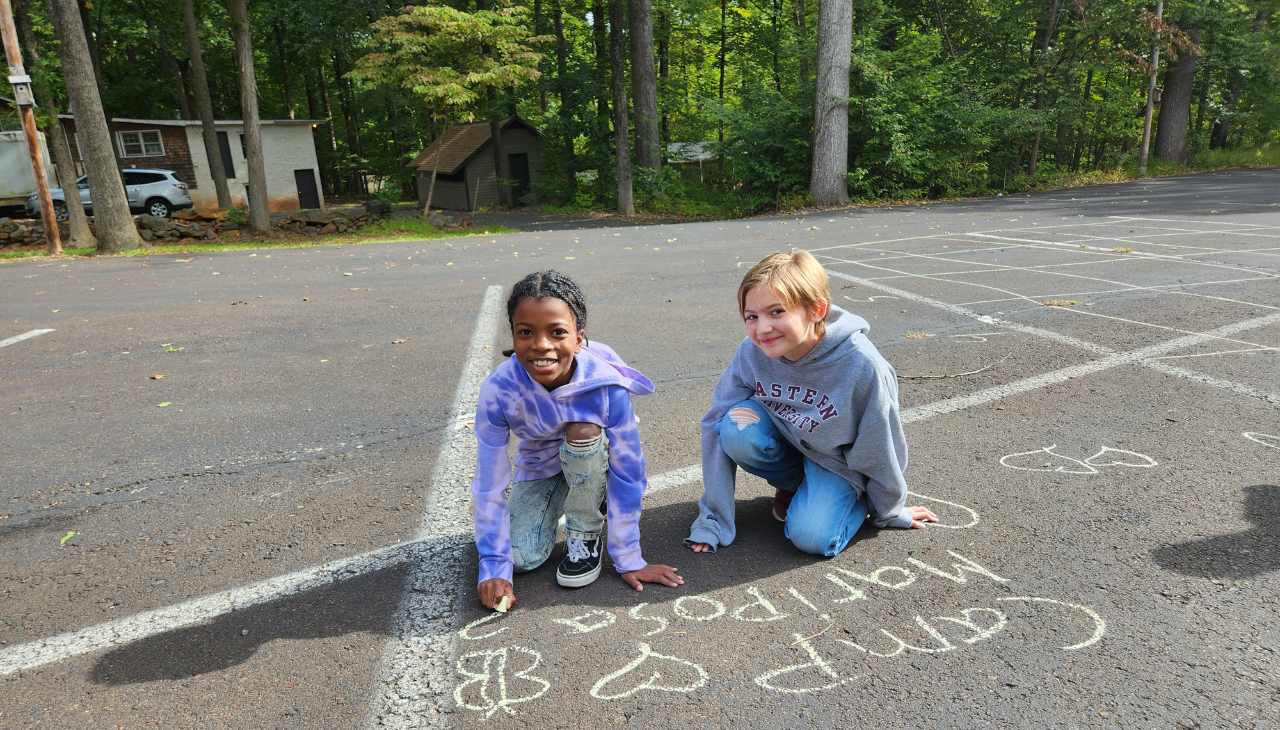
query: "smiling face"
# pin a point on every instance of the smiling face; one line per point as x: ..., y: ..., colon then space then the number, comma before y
x: 778, y: 330
x: 545, y: 337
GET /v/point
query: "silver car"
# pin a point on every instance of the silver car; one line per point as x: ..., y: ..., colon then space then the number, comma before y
x: 155, y: 192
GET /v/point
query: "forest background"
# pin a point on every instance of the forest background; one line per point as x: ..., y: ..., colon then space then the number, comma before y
x: 945, y: 97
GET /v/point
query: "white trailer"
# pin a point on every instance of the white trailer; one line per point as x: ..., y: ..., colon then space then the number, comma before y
x: 16, y: 178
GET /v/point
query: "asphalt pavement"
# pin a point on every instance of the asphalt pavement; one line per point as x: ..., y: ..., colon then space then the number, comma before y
x: 233, y: 490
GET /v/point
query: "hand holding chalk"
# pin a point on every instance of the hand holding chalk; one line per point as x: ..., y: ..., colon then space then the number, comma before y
x: 497, y: 594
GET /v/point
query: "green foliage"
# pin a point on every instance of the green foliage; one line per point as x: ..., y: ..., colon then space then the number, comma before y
x: 453, y: 60
x: 390, y: 191
x: 953, y: 97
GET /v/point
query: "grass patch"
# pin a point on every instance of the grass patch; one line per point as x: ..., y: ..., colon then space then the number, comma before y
x: 386, y: 230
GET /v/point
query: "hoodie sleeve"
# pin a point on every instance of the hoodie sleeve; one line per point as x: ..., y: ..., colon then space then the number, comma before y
x: 879, y: 450
x: 714, y: 525
x: 493, y: 473
x: 626, y: 482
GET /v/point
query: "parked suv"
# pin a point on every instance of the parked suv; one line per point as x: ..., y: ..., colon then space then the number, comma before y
x: 155, y: 192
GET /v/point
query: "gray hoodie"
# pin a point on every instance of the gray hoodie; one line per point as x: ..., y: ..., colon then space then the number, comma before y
x: 838, y: 405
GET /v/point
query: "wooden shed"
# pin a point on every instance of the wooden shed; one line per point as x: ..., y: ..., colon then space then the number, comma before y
x: 462, y: 158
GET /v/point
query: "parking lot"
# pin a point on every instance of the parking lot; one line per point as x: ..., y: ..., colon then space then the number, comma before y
x: 276, y: 532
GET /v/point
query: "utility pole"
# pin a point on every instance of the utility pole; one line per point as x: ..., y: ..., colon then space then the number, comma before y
x: 23, y: 97
x: 1151, y: 93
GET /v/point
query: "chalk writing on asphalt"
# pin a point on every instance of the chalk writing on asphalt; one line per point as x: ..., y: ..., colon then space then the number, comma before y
x: 1048, y: 459
x: 1265, y: 439
x: 654, y: 654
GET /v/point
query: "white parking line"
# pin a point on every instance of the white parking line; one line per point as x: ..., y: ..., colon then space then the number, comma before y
x: 24, y: 336
x: 417, y: 658
x: 1110, y: 359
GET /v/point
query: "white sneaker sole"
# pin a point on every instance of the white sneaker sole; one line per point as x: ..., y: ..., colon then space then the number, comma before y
x: 578, y: 581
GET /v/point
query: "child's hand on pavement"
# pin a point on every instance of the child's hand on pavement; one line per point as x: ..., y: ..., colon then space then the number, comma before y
x: 699, y: 547
x: 491, y: 592
x: 921, y: 515
x: 653, y: 573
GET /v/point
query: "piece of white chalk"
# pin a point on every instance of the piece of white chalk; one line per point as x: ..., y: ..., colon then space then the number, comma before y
x: 503, y: 605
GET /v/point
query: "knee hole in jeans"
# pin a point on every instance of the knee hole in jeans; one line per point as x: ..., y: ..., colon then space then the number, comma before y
x: 577, y: 432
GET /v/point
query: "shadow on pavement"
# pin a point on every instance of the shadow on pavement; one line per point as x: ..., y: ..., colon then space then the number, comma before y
x: 759, y: 552
x: 1241, y: 555
x: 363, y: 604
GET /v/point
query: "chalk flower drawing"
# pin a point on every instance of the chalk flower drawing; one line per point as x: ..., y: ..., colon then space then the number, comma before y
x: 491, y: 683
x: 1265, y: 439
x: 1105, y: 457
x: 648, y: 655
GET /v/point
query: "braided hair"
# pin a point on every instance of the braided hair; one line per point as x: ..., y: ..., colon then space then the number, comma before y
x: 543, y: 284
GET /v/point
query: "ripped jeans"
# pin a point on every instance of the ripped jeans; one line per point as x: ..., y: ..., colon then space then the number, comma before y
x: 577, y: 492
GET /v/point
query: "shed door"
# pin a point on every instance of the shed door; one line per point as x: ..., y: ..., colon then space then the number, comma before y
x: 305, y: 180
x: 519, y: 164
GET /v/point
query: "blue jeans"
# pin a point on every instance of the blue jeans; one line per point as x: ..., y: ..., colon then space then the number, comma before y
x: 576, y: 492
x: 825, y: 512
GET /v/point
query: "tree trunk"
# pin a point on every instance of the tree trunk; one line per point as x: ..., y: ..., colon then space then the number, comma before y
x: 331, y: 136
x: 802, y: 35
x: 775, y: 43
x: 320, y: 138
x: 617, y: 56
x: 644, y: 85
x: 664, y: 73
x: 354, y: 150
x: 115, y: 228
x: 1220, y: 136
x: 602, y: 150
x: 282, y: 62
x: 501, y: 170
x: 720, y: 61
x: 180, y: 83
x: 538, y: 24
x: 79, y: 233
x: 1175, y: 104
x: 204, y: 105
x: 259, y: 218
x: 566, y: 106
x: 828, y: 183
x: 93, y: 39
x: 1149, y: 110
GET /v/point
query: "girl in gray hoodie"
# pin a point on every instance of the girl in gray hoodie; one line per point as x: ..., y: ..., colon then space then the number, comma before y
x: 810, y: 405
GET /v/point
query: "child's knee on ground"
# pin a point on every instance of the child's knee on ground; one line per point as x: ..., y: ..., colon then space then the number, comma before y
x: 527, y: 558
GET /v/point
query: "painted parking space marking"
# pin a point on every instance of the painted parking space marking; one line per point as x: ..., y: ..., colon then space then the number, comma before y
x: 24, y: 336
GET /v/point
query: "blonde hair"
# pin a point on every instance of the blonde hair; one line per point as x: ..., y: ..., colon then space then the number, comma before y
x: 796, y: 277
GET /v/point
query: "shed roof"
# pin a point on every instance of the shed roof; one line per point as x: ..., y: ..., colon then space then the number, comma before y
x: 451, y: 150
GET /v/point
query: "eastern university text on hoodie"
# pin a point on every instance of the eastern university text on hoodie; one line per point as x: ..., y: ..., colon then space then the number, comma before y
x: 512, y: 402
x: 837, y: 405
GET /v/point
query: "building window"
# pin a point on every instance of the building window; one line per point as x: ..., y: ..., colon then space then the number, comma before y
x: 144, y: 143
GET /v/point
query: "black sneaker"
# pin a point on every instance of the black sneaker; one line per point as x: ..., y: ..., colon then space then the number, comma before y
x: 581, y: 566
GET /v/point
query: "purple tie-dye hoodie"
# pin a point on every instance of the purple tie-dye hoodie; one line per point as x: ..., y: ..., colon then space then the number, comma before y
x: 512, y: 402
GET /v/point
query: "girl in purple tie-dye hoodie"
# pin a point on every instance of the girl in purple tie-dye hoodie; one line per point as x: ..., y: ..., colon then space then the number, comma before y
x: 568, y: 403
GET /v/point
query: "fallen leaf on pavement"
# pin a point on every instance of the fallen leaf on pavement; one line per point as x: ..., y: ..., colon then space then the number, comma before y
x: 165, y: 404
x: 157, y: 376
x: 398, y: 342
x: 70, y: 534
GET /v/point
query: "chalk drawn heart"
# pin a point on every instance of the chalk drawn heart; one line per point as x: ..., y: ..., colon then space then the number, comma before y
x: 1265, y: 439
x: 657, y: 662
x: 1131, y: 459
x: 1045, y: 459
x: 973, y: 516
